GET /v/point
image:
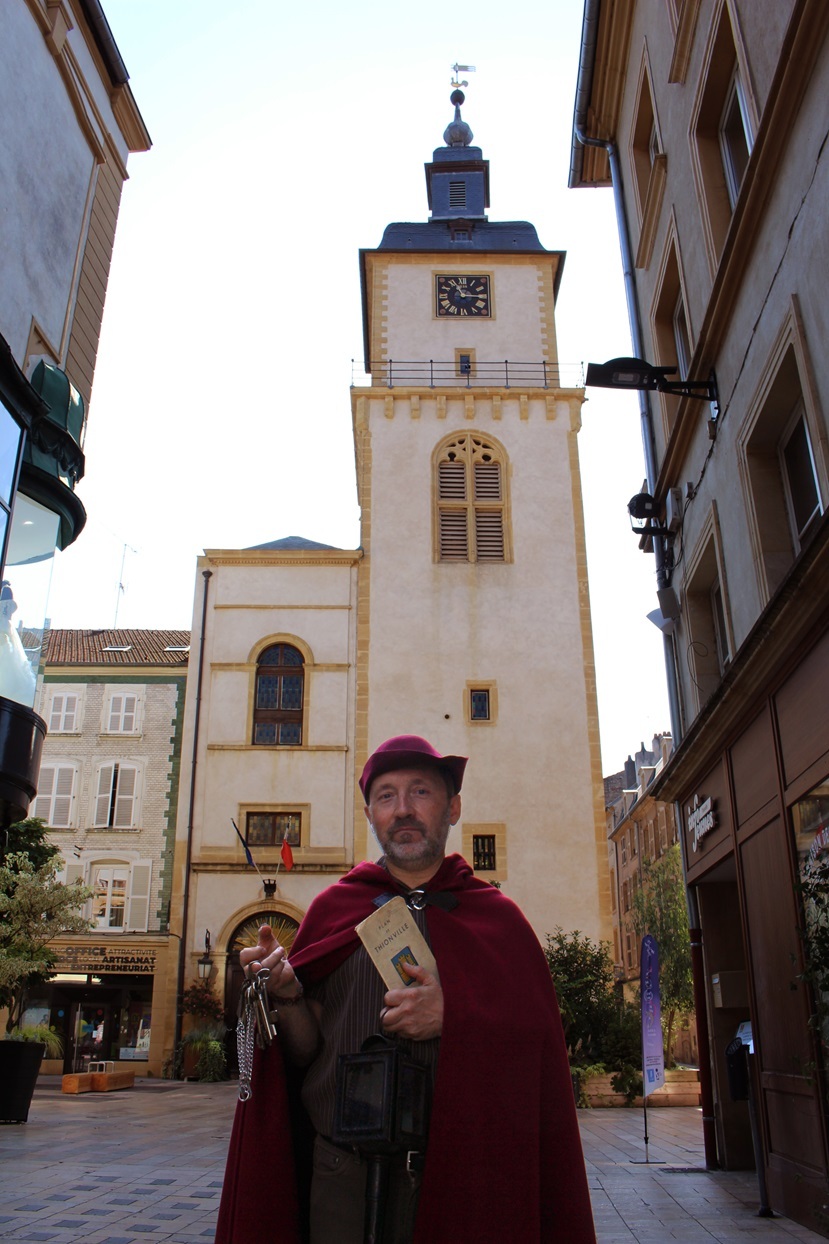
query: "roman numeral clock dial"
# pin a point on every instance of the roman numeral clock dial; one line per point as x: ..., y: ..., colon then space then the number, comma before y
x: 459, y: 296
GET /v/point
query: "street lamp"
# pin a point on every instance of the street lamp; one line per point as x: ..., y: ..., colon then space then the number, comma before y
x: 205, y: 963
x: 633, y: 373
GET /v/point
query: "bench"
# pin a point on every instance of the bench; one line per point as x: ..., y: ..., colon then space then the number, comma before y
x: 79, y: 1082
x: 108, y: 1081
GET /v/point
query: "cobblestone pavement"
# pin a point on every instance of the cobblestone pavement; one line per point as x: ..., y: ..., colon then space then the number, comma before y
x: 146, y: 1165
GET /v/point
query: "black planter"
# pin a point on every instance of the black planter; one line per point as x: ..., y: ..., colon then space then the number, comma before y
x: 19, y: 1066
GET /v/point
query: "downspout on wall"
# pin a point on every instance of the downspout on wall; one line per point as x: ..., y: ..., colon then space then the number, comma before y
x: 587, y: 57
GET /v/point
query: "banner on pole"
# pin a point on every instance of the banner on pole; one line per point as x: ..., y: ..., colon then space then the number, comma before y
x: 653, y: 1059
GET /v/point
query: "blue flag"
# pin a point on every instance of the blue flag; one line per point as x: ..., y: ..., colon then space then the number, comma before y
x: 653, y: 1058
x: 248, y: 855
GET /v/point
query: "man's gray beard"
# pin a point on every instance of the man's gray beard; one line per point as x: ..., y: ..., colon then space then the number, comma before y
x: 433, y: 849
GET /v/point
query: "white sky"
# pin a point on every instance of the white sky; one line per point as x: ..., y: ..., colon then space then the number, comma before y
x: 285, y: 137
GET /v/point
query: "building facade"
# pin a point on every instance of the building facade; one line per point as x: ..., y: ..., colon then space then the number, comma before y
x: 709, y: 120
x: 108, y: 785
x: 70, y: 124
x: 464, y: 616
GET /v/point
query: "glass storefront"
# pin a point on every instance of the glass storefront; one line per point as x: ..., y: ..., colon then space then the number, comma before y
x: 101, y: 1019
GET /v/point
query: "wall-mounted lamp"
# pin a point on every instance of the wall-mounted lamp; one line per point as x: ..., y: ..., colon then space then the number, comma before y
x: 205, y: 963
x: 269, y: 886
x: 643, y: 511
x: 631, y: 373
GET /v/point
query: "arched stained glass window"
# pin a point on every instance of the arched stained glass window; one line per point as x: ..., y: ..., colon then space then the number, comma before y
x: 277, y: 710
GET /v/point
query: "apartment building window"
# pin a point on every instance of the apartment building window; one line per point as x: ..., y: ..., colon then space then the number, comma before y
x: 710, y: 646
x: 485, y: 845
x: 722, y: 131
x: 735, y: 138
x: 55, y: 802
x: 671, y: 326
x: 649, y: 166
x: 121, y: 891
x: 782, y: 471
x: 280, y: 686
x: 122, y: 712
x: 116, y: 799
x: 64, y: 713
x: 271, y: 829
x: 470, y: 501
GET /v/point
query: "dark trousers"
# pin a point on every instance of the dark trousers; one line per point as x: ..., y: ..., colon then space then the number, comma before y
x: 338, y: 1198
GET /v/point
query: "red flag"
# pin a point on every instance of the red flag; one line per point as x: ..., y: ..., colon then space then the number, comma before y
x: 287, y: 855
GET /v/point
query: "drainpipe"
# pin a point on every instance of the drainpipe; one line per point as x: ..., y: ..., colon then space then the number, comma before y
x: 182, y: 945
x: 583, y: 91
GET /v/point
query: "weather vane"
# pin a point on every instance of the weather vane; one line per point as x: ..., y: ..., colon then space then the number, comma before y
x: 461, y: 69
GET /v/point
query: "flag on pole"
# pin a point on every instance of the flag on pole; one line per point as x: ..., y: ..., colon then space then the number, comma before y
x: 653, y: 1058
x: 287, y: 855
x: 248, y: 855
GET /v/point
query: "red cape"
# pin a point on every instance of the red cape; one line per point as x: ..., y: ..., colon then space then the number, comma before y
x: 504, y: 1159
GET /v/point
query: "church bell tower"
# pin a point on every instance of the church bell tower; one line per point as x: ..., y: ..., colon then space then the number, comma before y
x: 473, y: 607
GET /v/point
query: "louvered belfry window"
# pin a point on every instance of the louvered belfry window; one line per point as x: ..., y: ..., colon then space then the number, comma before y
x: 470, y: 501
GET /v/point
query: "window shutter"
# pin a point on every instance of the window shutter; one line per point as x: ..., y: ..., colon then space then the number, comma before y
x: 64, y: 791
x: 487, y: 481
x: 128, y: 717
x: 115, y: 706
x: 489, y: 535
x: 45, y: 786
x: 139, y: 912
x: 454, y: 537
x: 123, y: 817
x: 452, y: 481
x: 74, y: 872
x: 104, y: 797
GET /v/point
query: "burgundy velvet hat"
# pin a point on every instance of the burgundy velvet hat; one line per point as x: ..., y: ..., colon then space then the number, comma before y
x: 409, y: 751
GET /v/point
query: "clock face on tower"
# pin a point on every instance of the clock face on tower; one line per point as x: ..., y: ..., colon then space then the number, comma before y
x: 458, y: 295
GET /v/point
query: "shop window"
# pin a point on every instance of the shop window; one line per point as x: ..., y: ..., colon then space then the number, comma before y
x: 55, y: 802
x: 271, y: 829
x: 810, y: 824
x: 64, y: 713
x: 279, y: 697
x: 710, y: 644
x: 116, y: 799
x: 781, y: 470
x: 470, y: 501
x: 122, y: 713
x: 723, y: 133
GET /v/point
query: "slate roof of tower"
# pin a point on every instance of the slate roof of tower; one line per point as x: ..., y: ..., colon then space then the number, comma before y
x: 290, y: 542
x: 143, y: 647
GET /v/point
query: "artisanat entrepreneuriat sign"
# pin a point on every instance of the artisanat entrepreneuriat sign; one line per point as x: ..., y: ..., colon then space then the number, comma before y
x: 702, y: 818
x: 96, y: 959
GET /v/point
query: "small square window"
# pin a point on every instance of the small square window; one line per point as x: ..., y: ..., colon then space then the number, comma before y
x: 479, y: 705
x: 483, y: 853
x: 271, y: 829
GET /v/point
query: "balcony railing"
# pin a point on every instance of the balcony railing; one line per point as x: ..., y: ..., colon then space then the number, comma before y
x: 469, y: 374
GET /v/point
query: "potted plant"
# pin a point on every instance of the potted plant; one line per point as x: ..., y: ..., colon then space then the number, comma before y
x: 35, y: 908
x: 202, y: 1046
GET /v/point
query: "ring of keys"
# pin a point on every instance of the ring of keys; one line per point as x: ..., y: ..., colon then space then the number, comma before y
x: 256, y: 1022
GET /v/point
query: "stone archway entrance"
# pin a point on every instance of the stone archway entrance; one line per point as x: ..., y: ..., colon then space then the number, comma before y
x: 244, y: 935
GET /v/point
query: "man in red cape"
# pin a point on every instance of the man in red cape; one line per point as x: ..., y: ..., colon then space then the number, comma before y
x: 503, y: 1161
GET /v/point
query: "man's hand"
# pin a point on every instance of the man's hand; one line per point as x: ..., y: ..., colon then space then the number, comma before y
x: 414, y: 1011
x: 268, y: 953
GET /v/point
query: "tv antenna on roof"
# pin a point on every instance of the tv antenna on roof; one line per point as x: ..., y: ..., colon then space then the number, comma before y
x: 456, y: 69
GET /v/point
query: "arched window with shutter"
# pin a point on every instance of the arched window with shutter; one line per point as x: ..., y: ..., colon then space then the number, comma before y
x: 279, y: 697
x: 471, y: 518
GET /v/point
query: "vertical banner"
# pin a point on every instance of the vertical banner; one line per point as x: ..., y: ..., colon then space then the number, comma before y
x: 653, y: 1059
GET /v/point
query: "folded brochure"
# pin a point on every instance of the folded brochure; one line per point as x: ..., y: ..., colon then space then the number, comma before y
x: 392, y: 938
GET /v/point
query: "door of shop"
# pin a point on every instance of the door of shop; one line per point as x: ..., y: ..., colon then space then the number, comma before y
x: 90, y: 1034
